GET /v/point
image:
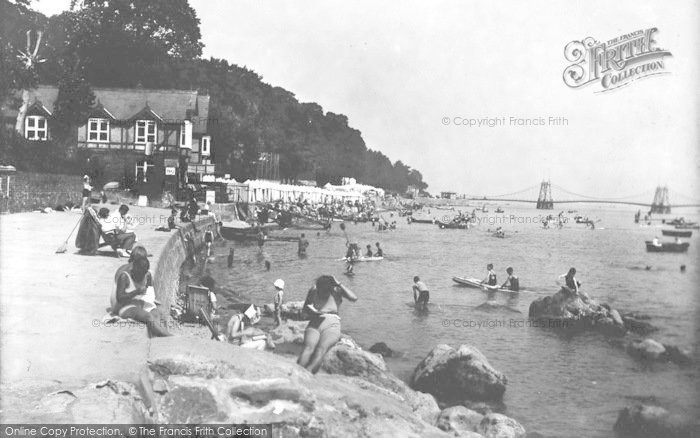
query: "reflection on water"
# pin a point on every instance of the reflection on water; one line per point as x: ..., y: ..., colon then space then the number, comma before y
x: 558, y: 381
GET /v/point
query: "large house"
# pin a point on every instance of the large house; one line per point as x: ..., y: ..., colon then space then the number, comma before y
x: 151, y: 140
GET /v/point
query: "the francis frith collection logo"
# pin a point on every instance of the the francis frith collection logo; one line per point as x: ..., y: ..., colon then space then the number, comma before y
x: 614, y: 63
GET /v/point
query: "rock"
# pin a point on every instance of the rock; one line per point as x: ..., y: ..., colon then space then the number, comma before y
x: 290, y: 332
x: 290, y: 310
x: 381, y: 348
x: 459, y: 421
x: 577, y: 311
x: 495, y: 425
x: 348, y: 359
x: 637, y: 326
x: 455, y: 375
x: 607, y: 326
x: 678, y: 356
x: 212, y: 381
x: 653, y: 421
x: 112, y: 403
x: 615, y: 315
x: 647, y: 349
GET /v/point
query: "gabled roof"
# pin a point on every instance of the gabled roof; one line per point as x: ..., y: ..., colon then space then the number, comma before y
x: 170, y: 106
x: 146, y: 114
x: 38, y: 109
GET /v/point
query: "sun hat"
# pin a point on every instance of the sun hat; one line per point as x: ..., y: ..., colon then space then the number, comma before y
x: 279, y: 283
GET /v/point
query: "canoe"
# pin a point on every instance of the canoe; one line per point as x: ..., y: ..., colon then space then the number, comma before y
x: 476, y: 283
x: 688, y: 227
x: 667, y: 247
x: 677, y: 233
x: 363, y: 259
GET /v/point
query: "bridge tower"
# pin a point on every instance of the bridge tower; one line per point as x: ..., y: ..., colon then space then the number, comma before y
x: 661, y: 203
x: 544, y: 200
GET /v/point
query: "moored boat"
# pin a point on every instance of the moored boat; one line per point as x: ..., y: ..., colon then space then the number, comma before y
x: 453, y: 225
x: 677, y: 233
x: 422, y: 221
x: 688, y: 227
x: 667, y: 247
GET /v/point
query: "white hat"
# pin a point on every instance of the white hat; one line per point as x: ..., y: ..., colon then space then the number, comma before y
x: 251, y: 312
x: 279, y: 283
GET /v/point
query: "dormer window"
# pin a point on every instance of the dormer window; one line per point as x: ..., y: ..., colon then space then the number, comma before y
x: 98, y: 130
x: 145, y: 131
x: 36, y: 128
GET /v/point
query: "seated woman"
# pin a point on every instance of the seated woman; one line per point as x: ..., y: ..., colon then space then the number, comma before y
x: 237, y: 333
x: 322, y: 304
x: 133, y: 299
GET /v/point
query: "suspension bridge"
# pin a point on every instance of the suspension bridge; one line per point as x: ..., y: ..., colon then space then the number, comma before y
x: 660, y: 202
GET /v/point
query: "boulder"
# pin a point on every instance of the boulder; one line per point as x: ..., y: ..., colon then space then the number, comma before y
x: 289, y: 332
x: 290, y: 310
x: 459, y: 421
x: 577, y: 311
x: 651, y: 421
x: 456, y: 375
x: 217, y: 382
x: 106, y: 402
x: 678, y: 356
x: 463, y: 422
x: 647, y: 349
x: 381, y: 348
x: 495, y: 425
x: 638, y: 326
x: 348, y: 359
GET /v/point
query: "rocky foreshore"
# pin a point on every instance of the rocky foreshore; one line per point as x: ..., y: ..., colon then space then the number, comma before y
x: 580, y: 312
x: 191, y: 380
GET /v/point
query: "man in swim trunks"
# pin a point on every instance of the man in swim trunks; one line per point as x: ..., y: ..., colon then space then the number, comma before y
x: 421, y: 295
x: 512, y: 281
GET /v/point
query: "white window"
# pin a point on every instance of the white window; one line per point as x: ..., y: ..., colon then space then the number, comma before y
x: 145, y: 131
x: 205, y: 146
x: 35, y: 128
x: 186, y: 135
x: 98, y: 130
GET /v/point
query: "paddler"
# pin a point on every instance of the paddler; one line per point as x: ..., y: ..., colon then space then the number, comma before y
x: 512, y: 281
x: 369, y: 251
x: 490, y: 279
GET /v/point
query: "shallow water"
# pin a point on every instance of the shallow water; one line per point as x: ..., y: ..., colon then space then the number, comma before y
x: 559, y: 383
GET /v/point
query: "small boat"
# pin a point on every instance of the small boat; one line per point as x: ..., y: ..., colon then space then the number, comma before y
x: 422, y: 221
x: 688, y: 227
x: 667, y: 247
x: 363, y: 259
x: 677, y: 233
x: 476, y: 283
x: 453, y: 225
x: 499, y: 210
x: 499, y: 234
x: 484, y: 209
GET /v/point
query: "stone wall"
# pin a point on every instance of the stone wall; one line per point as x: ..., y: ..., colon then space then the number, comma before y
x: 166, y: 275
x: 33, y: 191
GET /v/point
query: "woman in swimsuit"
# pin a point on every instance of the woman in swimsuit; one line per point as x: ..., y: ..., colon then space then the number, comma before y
x: 322, y: 303
x: 130, y: 299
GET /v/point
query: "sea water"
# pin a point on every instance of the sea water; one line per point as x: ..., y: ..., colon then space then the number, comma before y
x: 559, y: 383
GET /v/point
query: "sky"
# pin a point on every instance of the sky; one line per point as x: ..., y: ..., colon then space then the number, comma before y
x: 408, y: 73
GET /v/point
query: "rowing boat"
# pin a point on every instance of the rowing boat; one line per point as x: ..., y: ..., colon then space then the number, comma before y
x: 476, y: 283
x: 667, y: 247
x: 677, y: 233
